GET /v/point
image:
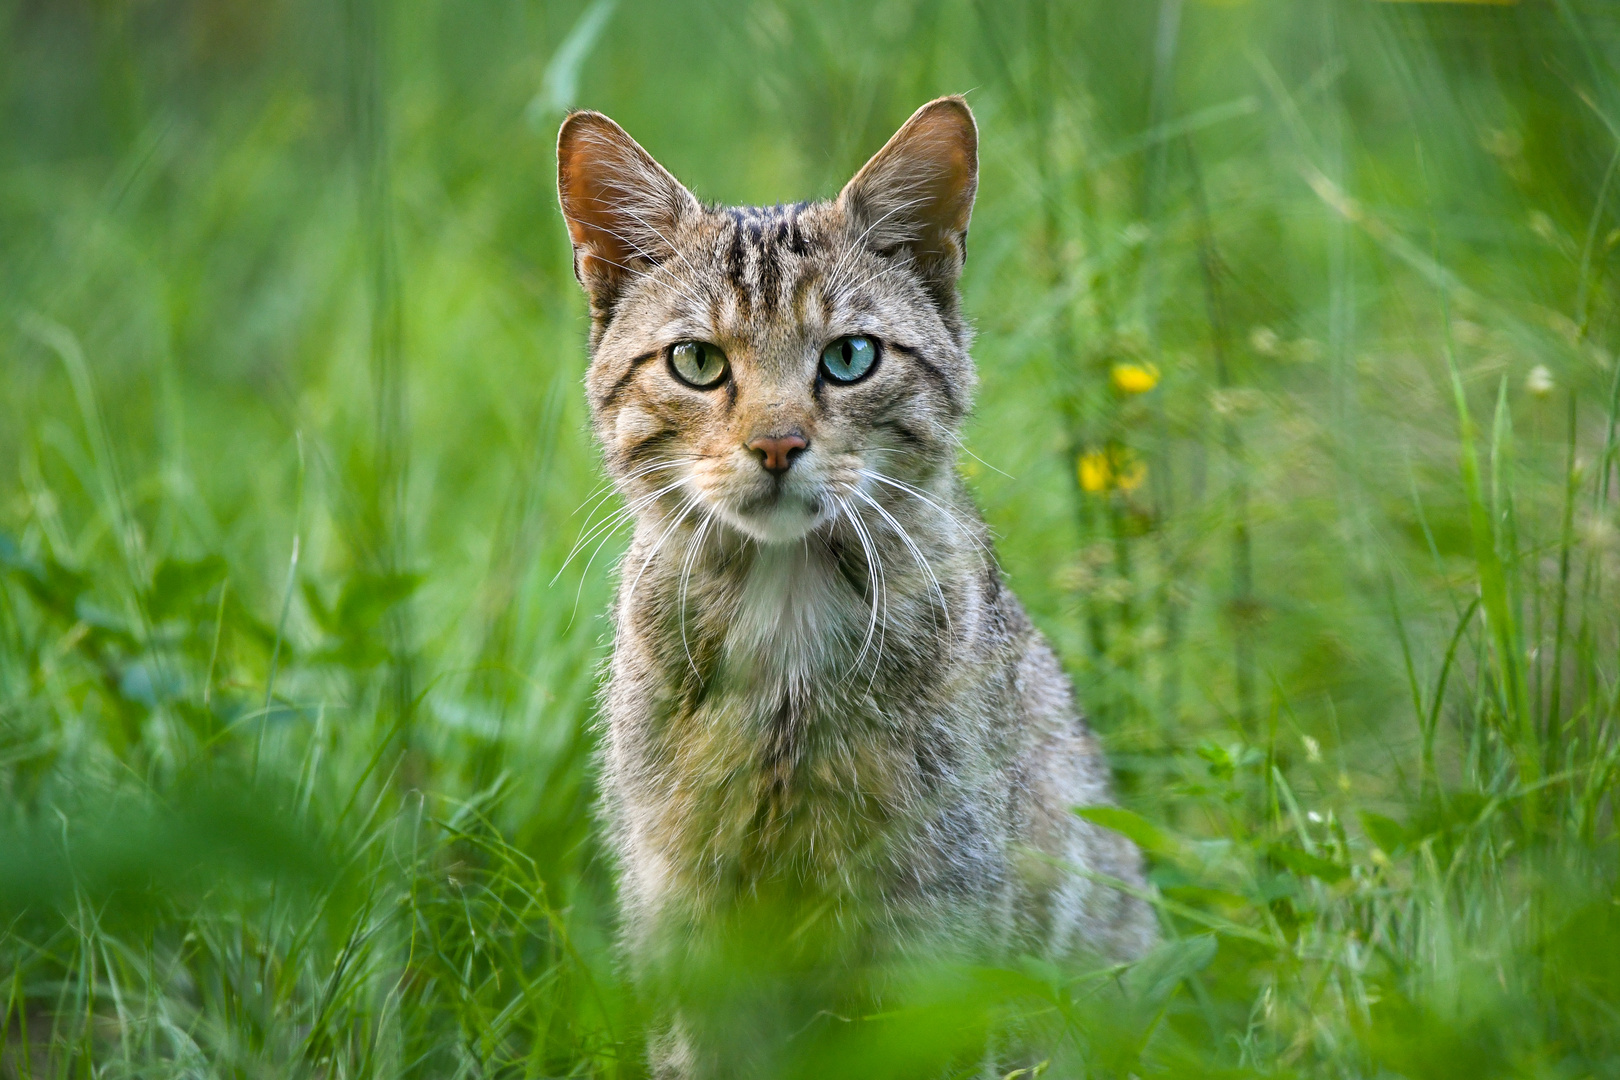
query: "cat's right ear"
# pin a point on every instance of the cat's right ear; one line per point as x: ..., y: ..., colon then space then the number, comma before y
x: 622, y: 207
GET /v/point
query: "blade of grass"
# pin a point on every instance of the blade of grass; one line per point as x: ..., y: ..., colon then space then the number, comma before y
x: 1566, y: 544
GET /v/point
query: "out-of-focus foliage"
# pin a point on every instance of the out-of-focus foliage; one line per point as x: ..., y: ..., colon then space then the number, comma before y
x: 1297, y: 328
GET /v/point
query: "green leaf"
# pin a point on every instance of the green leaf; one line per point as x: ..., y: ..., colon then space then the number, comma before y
x: 1140, y: 831
x: 1308, y: 865
x: 1386, y: 832
x: 178, y: 583
x: 1157, y: 974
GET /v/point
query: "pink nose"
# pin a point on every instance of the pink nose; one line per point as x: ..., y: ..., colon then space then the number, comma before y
x: 776, y: 453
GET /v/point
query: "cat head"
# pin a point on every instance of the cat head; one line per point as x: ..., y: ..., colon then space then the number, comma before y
x: 761, y: 364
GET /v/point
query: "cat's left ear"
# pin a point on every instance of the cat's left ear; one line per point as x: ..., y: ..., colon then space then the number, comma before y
x: 917, y: 192
x: 622, y: 207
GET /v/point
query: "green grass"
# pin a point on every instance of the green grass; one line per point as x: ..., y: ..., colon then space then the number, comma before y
x: 296, y: 688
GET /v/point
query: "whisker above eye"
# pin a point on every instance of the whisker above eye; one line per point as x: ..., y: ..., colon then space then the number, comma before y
x: 650, y: 258
x: 849, y: 286
x: 656, y: 231
x: 898, y: 208
x: 643, y: 274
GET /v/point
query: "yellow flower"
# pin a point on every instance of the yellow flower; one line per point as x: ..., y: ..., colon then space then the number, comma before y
x: 1135, y: 378
x: 1129, y: 473
x: 1094, y: 471
x: 1104, y: 470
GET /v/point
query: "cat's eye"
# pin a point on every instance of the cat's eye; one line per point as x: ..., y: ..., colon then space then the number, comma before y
x: 849, y: 359
x: 698, y: 364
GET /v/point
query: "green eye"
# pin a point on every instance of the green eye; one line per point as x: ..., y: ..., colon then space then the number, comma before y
x: 698, y: 364
x: 848, y: 359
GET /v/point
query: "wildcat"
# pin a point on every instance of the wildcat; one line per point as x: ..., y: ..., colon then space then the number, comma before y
x: 818, y: 677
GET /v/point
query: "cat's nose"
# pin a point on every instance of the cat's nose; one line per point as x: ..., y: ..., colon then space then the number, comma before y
x: 776, y: 452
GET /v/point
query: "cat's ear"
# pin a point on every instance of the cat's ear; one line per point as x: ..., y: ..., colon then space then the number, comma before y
x: 917, y: 192
x: 622, y: 207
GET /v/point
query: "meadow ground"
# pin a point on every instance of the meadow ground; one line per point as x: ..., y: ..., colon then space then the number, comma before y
x: 1297, y: 331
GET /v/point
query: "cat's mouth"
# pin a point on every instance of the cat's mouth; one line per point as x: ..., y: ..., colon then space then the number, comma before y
x: 782, y: 508
x: 778, y: 515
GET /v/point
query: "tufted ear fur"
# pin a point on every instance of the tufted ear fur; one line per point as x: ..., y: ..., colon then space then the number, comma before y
x: 622, y: 207
x: 917, y: 192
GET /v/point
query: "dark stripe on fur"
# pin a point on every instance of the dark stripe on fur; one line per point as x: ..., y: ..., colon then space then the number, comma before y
x: 636, y: 449
x: 624, y: 380
x: 907, y: 436
x: 737, y: 265
x: 933, y: 373
x: 770, y: 270
x: 801, y: 289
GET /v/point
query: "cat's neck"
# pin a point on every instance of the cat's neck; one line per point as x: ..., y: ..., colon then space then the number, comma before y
x: 900, y: 587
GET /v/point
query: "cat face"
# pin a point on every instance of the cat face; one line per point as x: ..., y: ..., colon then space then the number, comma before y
x: 766, y: 367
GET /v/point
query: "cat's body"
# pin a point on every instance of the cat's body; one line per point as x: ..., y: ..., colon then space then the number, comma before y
x: 936, y: 791
x: 818, y: 677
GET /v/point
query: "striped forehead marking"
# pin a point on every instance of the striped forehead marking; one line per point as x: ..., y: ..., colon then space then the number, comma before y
x: 761, y: 238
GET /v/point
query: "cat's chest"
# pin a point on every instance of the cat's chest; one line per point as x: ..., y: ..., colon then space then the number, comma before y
x: 790, y: 621
x: 781, y: 705
x: 773, y: 742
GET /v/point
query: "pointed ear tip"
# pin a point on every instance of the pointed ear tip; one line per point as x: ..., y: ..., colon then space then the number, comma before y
x: 582, y: 121
x: 949, y: 118
x: 954, y: 106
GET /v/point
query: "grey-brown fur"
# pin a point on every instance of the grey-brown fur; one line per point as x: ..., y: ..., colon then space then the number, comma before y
x: 762, y: 724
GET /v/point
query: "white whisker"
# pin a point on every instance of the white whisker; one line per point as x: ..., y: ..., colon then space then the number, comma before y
x: 961, y: 444
x: 612, y: 522
x: 686, y: 576
x: 585, y: 574
x: 849, y: 287
x: 916, y: 553
x: 608, y: 485
x: 642, y: 273
x: 690, y: 505
x: 832, y: 275
x: 878, y: 583
x: 659, y: 233
x: 949, y: 516
x: 645, y: 254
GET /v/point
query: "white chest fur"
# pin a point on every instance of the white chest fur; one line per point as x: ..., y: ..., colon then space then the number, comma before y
x: 796, y: 616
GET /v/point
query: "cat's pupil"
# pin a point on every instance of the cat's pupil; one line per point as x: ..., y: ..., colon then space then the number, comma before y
x: 849, y: 352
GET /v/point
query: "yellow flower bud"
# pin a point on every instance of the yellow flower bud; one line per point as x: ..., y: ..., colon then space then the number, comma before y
x: 1103, y: 470
x: 1130, y: 473
x: 1135, y: 378
x: 1094, y: 471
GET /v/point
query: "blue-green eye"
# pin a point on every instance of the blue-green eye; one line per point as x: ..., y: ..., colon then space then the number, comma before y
x: 849, y: 359
x: 698, y: 364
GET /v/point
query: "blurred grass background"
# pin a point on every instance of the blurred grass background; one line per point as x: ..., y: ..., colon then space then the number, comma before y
x: 1297, y: 329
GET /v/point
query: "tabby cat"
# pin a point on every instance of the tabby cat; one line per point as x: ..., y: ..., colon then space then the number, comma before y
x: 818, y: 675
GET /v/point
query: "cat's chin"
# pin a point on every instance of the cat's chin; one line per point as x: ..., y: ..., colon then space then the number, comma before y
x: 787, y: 521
